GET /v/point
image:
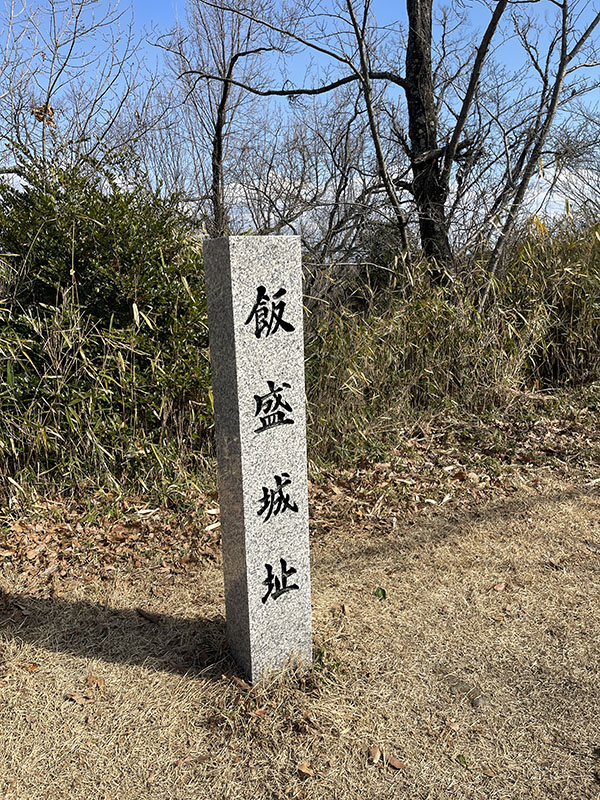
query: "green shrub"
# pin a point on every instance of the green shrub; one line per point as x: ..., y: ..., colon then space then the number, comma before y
x: 103, y: 338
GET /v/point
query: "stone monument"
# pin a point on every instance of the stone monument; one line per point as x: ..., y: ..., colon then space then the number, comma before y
x: 254, y: 298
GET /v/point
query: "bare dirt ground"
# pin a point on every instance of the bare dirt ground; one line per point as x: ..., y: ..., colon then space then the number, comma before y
x: 457, y: 647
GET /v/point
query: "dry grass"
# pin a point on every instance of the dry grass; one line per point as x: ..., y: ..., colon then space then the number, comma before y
x: 157, y: 719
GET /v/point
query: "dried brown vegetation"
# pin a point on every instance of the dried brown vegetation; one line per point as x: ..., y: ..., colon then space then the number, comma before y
x: 472, y: 673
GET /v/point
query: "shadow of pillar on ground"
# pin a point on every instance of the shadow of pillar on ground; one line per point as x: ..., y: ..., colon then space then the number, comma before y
x: 194, y: 647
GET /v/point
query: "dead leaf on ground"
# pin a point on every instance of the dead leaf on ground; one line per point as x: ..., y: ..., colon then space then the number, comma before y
x: 395, y: 763
x: 30, y: 667
x: 500, y: 587
x: 94, y: 682
x: 374, y: 754
x: 77, y: 697
x: 305, y: 770
x: 242, y: 684
x: 491, y: 773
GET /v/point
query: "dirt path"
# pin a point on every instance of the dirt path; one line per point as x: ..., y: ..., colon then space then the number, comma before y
x: 462, y: 641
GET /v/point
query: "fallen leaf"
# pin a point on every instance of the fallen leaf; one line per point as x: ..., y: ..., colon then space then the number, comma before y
x: 242, y: 684
x: 380, y: 593
x: 452, y: 725
x: 374, y: 754
x: 305, y: 770
x: 93, y: 681
x: 489, y: 772
x: 78, y: 698
x: 500, y: 587
x: 395, y: 763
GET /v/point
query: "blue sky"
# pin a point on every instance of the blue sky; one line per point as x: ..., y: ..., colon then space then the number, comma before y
x: 166, y: 13
x: 163, y: 14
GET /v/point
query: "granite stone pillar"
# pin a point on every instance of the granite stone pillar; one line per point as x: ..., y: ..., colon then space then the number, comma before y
x: 254, y: 297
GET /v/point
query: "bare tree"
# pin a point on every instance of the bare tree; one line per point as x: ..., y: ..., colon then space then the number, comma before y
x: 209, y: 116
x: 573, y: 164
x: 308, y: 175
x: 73, y: 72
x: 565, y: 46
x: 19, y: 49
x: 460, y: 127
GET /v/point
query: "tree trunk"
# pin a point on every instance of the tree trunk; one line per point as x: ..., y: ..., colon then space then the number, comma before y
x: 217, y: 226
x: 429, y: 192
